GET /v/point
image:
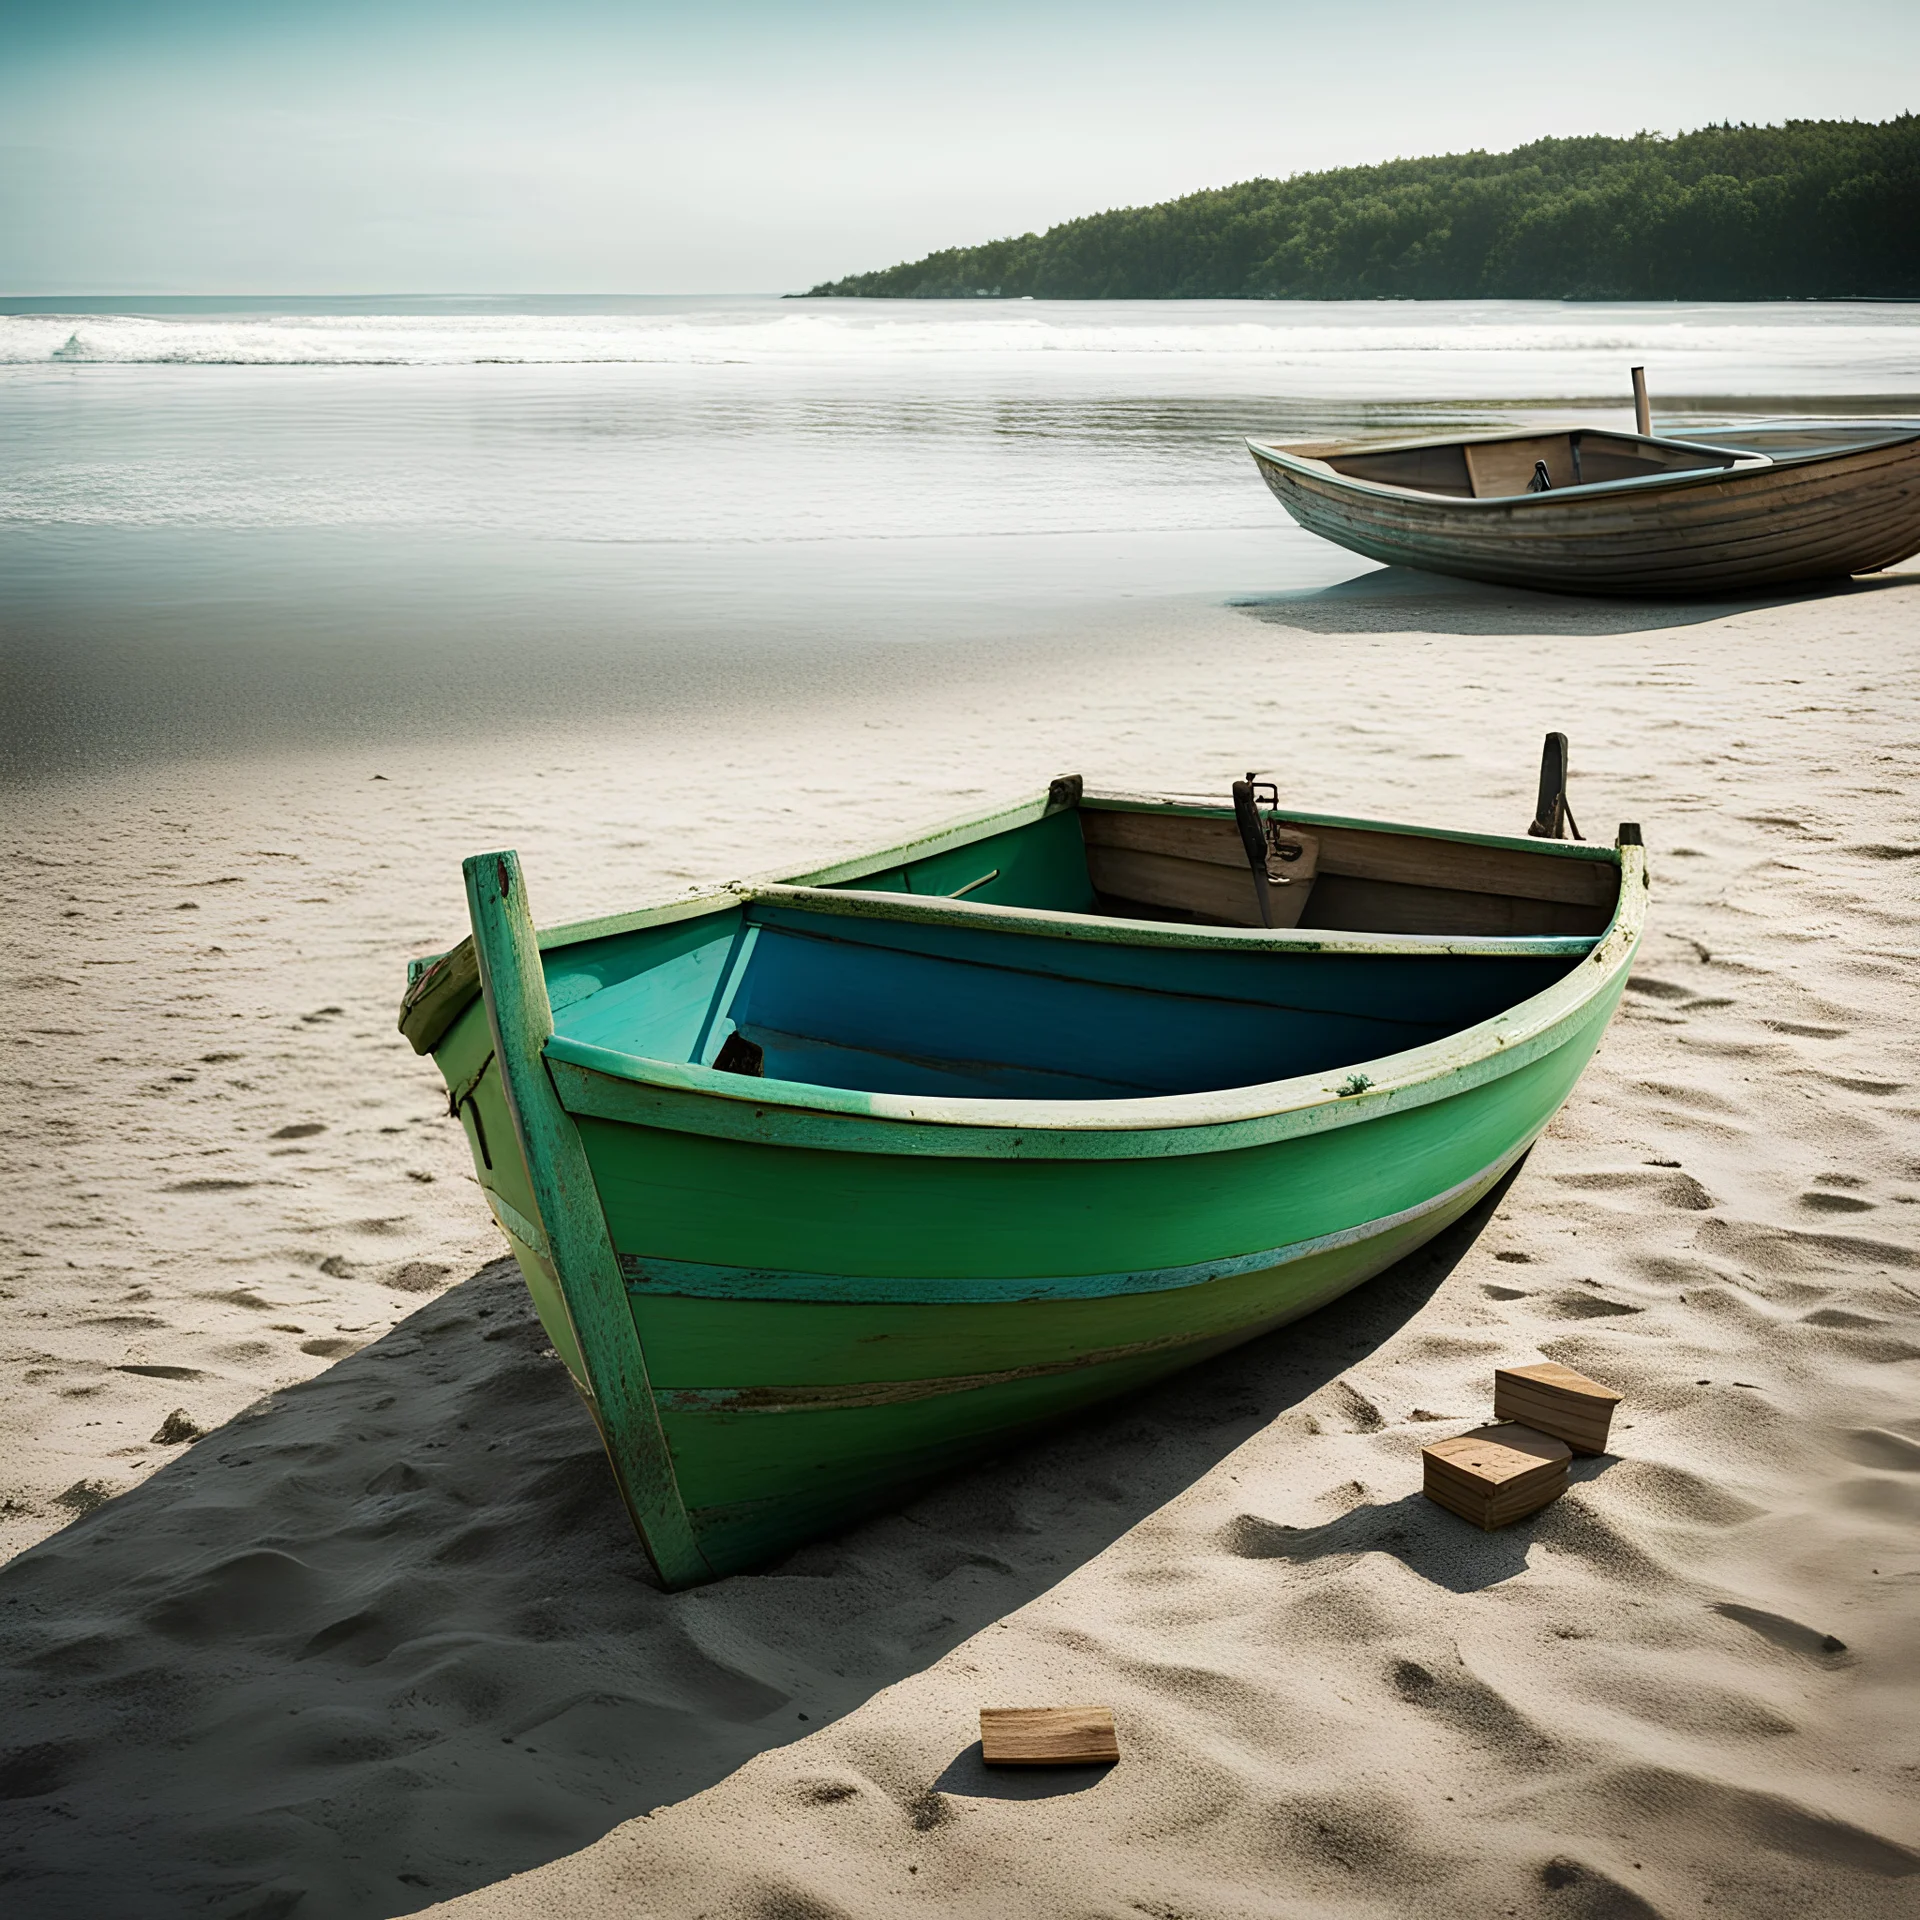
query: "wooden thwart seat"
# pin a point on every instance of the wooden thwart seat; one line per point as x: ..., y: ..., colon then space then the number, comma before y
x: 1195, y: 867
x: 1506, y: 466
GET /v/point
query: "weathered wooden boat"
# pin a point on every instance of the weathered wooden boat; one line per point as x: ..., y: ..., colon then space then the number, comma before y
x: 1584, y: 511
x: 826, y: 1186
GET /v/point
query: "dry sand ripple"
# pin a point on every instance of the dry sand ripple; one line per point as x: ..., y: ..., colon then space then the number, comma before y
x: 380, y: 1640
x: 387, y: 1632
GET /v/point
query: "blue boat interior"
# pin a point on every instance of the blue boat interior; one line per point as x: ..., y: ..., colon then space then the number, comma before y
x: 888, y: 1005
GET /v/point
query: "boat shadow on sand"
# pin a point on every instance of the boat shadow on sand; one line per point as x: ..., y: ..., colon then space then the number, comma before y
x: 1402, y: 600
x: 388, y: 1637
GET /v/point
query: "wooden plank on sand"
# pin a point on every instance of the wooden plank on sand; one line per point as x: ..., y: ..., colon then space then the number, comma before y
x: 1048, y: 1736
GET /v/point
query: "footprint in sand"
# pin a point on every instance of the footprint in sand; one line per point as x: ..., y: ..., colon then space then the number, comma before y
x: 84, y: 1497
x: 1680, y: 1191
x: 416, y: 1276
x: 1471, y: 1707
x: 1656, y: 989
x: 1583, y: 1306
x: 1876, y: 1447
x: 1697, y: 1099
x: 251, y: 1593
x: 1596, y: 1892
x: 1870, y: 1084
x: 1776, y: 1627
x: 1360, y: 1414
x: 1663, y: 1492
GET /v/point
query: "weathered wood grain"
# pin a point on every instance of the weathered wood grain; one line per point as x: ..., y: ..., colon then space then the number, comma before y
x: 1556, y: 1400
x: 1180, y: 836
x: 1191, y: 886
x: 1405, y: 859
x: 1197, y: 866
x: 1378, y: 906
x: 1803, y: 516
x: 1496, y: 1475
x: 1506, y: 466
x: 1048, y: 1736
x: 836, y: 1294
x: 514, y: 985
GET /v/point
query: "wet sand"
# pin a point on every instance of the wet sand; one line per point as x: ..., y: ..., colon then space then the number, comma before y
x: 380, y: 1638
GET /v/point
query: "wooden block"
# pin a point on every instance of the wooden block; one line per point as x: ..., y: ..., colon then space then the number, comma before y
x: 1554, y: 1399
x: 1048, y: 1736
x: 1496, y: 1475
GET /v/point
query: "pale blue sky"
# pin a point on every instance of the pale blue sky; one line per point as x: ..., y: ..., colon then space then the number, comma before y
x: 201, y: 146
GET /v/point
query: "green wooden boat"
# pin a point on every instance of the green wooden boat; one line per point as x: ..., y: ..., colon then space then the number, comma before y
x: 828, y: 1185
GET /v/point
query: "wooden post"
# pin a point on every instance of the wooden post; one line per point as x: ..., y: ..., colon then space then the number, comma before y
x: 581, y: 1250
x: 1550, y: 816
x: 1253, y: 836
x: 1642, y: 412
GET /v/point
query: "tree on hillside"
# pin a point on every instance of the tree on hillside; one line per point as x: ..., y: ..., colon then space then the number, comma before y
x: 1813, y: 209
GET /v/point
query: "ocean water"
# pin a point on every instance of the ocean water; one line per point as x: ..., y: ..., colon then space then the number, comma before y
x: 224, y: 526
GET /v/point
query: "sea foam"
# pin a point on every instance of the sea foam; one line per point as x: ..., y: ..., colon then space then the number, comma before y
x: 1574, y: 350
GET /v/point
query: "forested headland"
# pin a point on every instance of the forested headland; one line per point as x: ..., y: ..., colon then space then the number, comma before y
x: 1813, y: 209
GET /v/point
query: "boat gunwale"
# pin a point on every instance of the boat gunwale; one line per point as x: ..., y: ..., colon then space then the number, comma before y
x: 683, y: 1097
x: 1744, y: 466
x: 1120, y: 800
x: 460, y: 964
x: 441, y: 986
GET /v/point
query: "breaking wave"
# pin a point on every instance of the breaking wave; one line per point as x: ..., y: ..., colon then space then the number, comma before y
x: 1869, y: 346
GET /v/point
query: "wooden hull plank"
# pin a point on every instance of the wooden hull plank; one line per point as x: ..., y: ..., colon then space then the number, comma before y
x: 1807, y: 516
x: 788, y: 1305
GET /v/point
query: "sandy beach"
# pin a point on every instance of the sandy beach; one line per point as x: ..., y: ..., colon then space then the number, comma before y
x: 319, y: 1601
